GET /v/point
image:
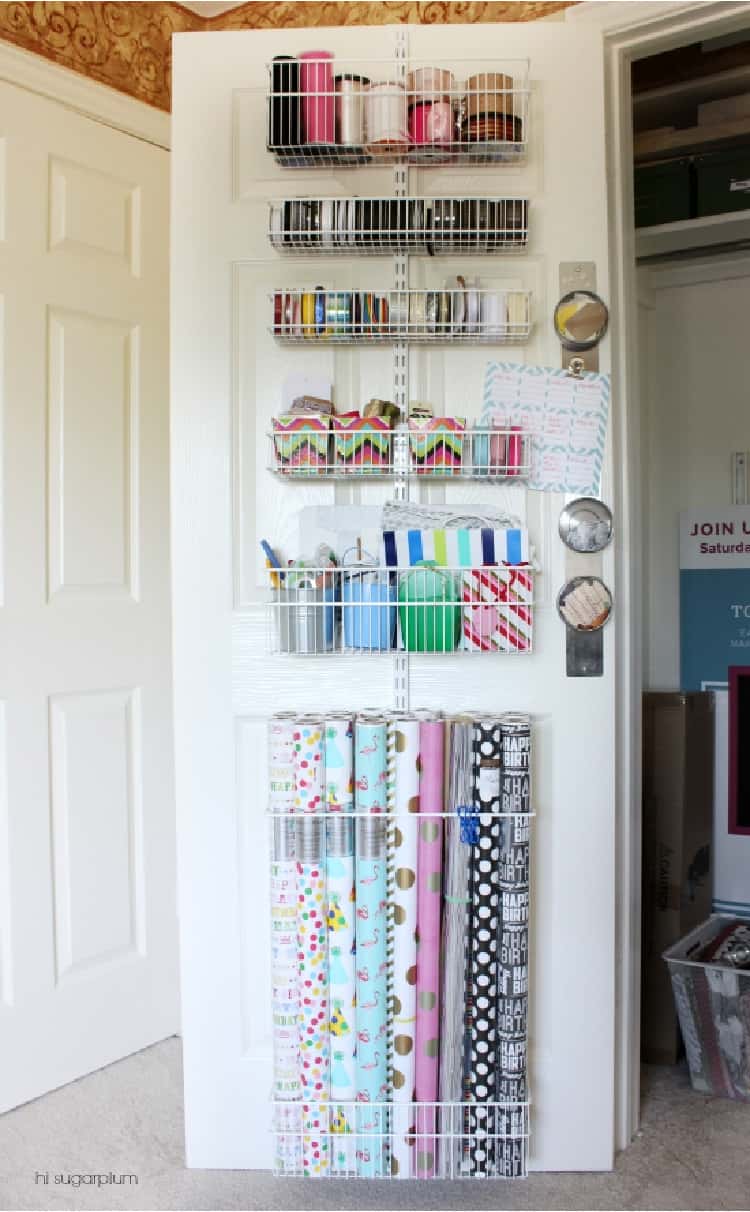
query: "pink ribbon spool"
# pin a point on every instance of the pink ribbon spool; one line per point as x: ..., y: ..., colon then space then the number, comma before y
x: 431, y: 122
x: 316, y: 86
x: 515, y: 450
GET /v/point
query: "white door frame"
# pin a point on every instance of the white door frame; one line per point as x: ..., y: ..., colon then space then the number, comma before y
x: 633, y: 31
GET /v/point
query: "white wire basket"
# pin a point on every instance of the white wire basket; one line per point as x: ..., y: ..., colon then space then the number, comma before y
x: 377, y: 610
x: 379, y: 226
x: 461, y: 313
x: 349, y: 113
x: 340, y: 448
x: 503, y: 1136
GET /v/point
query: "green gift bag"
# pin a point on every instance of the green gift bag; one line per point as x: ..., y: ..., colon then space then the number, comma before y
x: 429, y: 609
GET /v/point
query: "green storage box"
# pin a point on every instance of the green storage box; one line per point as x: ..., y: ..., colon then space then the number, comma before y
x: 429, y: 610
x: 723, y: 180
x: 663, y: 192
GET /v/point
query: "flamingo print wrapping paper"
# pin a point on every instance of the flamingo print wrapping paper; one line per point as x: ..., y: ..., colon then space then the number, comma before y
x: 371, y: 933
x: 429, y: 865
x: 404, y: 945
x: 339, y: 782
x: 312, y: 945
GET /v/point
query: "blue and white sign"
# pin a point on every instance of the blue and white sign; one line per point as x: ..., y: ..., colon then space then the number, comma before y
x: 714, y: 594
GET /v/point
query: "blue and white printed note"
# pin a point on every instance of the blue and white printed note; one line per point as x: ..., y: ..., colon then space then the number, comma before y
x: 566, y: 417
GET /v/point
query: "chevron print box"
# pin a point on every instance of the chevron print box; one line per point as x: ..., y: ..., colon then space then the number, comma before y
x: 437, y: 445
x: 301, y: 443
x: 498, y: 612
x: 361, y: 444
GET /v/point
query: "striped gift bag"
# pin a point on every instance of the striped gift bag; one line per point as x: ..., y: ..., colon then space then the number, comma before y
x: 497, y: 612
x: 478, y: 547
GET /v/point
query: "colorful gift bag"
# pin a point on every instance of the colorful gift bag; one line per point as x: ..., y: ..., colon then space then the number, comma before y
x: 361, y: 444
x: 498, y: 611
x: 436, y: 445
x: 301, y: 443
x: 477, y: 547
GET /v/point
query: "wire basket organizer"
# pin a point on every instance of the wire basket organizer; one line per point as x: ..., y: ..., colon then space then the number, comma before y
x: 504, y: 1134
x: 380, y: 226
x: 424, y: 609
x: 466, y: 1138
x: 350, y: 113
x: 389, y: 1061
x: 471, y: 315
x: 305, y: 448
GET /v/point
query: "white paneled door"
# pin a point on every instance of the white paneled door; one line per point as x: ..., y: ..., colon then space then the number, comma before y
x: 88, y: 965
x: 228, y: 378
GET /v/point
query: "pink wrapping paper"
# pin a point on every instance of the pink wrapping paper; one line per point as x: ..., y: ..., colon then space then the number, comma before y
x: 429, y: 865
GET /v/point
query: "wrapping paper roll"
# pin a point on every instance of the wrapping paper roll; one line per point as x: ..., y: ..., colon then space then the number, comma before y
x: 405, y: 733
x: 314, y: 1038
x: 429, y: 866
x: 513, y: 951
x: 339, y: 764
x: 281, y: 730
x: 309, y: 766
x: 370, y: 792
x: 483, y: 968
x: 455, y: 883
x: 390, y: 845
x: 284, y: 973
x: 285, y: 1010
x: 342, y: 990
x: 371, y: 939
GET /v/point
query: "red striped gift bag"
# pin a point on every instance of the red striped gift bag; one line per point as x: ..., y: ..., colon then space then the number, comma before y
x: 497, y: 611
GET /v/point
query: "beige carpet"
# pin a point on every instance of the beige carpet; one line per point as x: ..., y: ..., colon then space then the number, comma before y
x: 692, y: 1152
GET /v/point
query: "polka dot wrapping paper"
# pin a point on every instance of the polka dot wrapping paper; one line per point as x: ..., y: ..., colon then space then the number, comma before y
x: 483, y: 894
x: 312, y: 945
x: 513, y: 943
x: 429, y: 873
x: 314, y: 1037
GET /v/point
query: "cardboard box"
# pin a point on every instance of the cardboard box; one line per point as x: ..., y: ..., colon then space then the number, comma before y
x: 678, y: 764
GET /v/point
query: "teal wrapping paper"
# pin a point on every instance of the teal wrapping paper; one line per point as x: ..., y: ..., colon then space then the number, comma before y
x: 342, y: 1017
x: 371, y: 940
x: 342, y: 990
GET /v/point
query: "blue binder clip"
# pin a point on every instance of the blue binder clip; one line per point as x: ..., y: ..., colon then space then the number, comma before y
x: 469, y: 831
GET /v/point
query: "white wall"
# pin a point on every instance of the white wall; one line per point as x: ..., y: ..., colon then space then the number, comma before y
x: 695, y: 345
